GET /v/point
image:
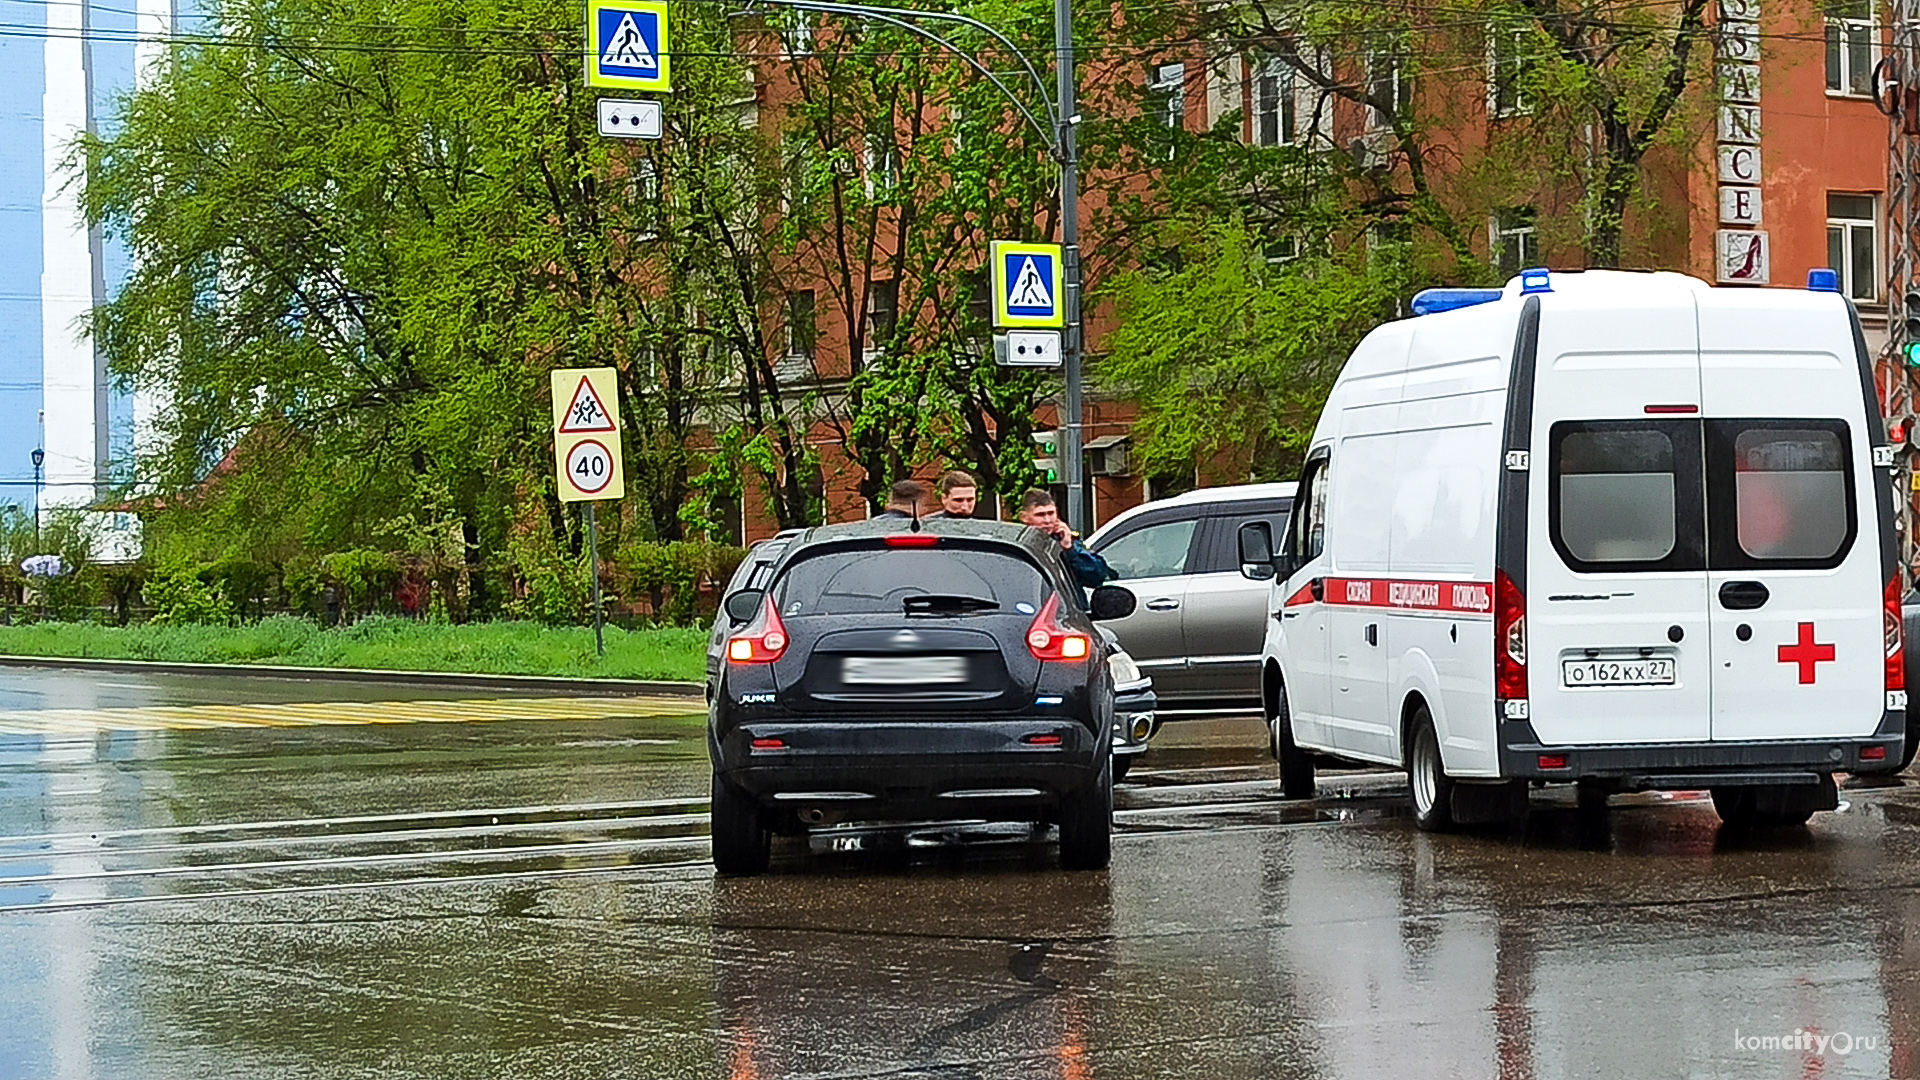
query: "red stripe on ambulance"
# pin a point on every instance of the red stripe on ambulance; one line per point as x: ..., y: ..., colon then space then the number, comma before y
x: 1452, y: 597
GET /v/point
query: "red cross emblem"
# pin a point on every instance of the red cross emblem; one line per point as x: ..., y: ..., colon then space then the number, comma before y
x: 1806, y: 653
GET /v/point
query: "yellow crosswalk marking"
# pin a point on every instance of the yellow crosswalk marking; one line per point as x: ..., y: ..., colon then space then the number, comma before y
x: 318, y: 714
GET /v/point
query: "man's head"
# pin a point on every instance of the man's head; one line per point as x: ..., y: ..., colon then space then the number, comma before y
x: 958, y: 493
x: 1037, y: 509
x: 906, y: 496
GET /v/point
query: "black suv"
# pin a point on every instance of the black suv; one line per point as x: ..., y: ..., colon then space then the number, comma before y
x: 914, y: 671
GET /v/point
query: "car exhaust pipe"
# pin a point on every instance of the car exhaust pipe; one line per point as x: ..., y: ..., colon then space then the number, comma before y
x: 814, y: 815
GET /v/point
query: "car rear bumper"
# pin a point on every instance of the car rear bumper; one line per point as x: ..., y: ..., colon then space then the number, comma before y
x: 875, y: 770
x: 1695, y: 765
x: 1132, y: 707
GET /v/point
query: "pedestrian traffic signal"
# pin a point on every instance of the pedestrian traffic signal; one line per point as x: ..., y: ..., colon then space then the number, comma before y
x: 1046, y: 461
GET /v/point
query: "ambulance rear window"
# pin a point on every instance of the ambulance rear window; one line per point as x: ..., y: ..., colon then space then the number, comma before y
x: 1781, y: 493
x: 1616, y: 494
x: 1790, y: 488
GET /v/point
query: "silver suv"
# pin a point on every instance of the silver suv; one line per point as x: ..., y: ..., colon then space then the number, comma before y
x: 1199, y: 625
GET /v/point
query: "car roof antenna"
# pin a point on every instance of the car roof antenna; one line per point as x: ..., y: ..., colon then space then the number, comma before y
x: 915, y: 526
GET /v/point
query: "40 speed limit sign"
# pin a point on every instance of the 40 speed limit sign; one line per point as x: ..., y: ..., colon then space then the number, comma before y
x: 586, y: 435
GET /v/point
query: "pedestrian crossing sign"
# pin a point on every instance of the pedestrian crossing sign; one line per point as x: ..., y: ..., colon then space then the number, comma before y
x: 627, y: 44
x: 1026, y: 284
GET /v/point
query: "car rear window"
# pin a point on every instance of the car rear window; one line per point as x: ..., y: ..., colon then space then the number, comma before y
x: 872, y: 581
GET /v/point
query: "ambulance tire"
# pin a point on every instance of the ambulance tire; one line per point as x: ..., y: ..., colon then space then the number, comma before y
x: 1913, y: 741
x: 741, y: 843
x: 1296, y: 765
x: 1428, y: 786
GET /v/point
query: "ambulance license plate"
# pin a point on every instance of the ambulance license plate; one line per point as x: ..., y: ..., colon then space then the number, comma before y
x: 1640, y: 671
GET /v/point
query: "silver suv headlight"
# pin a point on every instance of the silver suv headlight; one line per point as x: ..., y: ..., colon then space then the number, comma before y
x: 1123, y: 668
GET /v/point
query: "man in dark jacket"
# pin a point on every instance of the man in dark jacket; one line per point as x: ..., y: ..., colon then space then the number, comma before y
x: 1038, y: 510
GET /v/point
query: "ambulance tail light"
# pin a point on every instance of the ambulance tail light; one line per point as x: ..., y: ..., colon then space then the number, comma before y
x: 1509, y: 639
x: 1895, y: 638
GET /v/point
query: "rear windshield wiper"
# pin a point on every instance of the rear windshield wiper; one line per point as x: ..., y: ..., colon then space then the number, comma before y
x: 940, y: 604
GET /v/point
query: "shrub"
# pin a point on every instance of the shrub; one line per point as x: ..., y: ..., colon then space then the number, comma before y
x: 671, y: 574
x: 179, y: 597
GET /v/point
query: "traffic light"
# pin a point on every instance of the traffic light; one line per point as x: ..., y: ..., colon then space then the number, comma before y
x: 1910, y: 307
x: 1046, y: 456
x: 1913, y: 353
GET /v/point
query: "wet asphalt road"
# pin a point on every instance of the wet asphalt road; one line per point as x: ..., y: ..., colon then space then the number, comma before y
x: 531, y: 898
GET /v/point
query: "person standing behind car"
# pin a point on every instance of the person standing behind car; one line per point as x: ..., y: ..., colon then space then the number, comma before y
x: 1039, y: 511
x: 904, y: 499
x: 959, y: 494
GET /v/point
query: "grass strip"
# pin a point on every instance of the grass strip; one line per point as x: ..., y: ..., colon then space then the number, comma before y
x: 492, y: 648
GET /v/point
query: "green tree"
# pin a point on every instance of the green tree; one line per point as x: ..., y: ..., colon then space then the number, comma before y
x: 363, y: 233
x: 1231, y: 357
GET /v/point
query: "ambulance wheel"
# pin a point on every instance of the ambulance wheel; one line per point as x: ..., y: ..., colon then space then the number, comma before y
x: 741, y: 842
x: 1427, y: 781
x: 1296, y: 767
x: 1913, y: 741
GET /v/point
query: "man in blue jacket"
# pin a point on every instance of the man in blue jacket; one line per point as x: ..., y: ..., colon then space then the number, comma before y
x: 1038, y: 510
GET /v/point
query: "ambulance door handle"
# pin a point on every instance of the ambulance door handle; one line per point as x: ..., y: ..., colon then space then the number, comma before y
x: 1373, y: 633
x: 1743, y: 595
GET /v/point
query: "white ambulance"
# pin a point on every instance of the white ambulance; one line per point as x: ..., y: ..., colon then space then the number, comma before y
x: 1624, y: 529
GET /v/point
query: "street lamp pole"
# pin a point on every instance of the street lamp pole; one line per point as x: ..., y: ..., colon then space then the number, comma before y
x: 1069, y: 152
x: 39, y: 459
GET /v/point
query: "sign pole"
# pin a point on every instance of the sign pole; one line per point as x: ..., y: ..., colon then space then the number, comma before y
x: 593, y: 558
x: 1070, y: 431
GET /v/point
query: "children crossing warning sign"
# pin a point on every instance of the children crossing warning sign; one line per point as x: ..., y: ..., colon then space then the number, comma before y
x: 1026, y: 285
x: 627, y: 44
x: 586, y: 435
x: 585, y: 412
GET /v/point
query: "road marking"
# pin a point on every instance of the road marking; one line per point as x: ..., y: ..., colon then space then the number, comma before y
x: 318, y: 714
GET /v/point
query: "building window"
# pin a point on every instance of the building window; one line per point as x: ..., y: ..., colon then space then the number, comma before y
x: 1388, y: 84
x: 1285, y: 249
x: 1168, y: 93
x: 1853, y: 247
x: 1515, y: 239
x: 1276, y: 107
x: 883, y: 162
x: 1850, y: 40
x: 883, y: 309
x: 1506, y: 69
x: 801, y: 331
x: 796, y: 36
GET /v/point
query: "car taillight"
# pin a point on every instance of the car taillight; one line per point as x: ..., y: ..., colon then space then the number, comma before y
x: 1509, y: 639
x: 762, y: 642
x: 1047, y: 639
x: 1896, y: 638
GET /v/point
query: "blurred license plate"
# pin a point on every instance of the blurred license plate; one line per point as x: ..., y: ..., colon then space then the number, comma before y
x: 904, y: 670
x: 1652, y: 671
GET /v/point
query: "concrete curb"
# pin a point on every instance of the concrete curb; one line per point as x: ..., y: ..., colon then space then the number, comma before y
x: 594, y: 687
